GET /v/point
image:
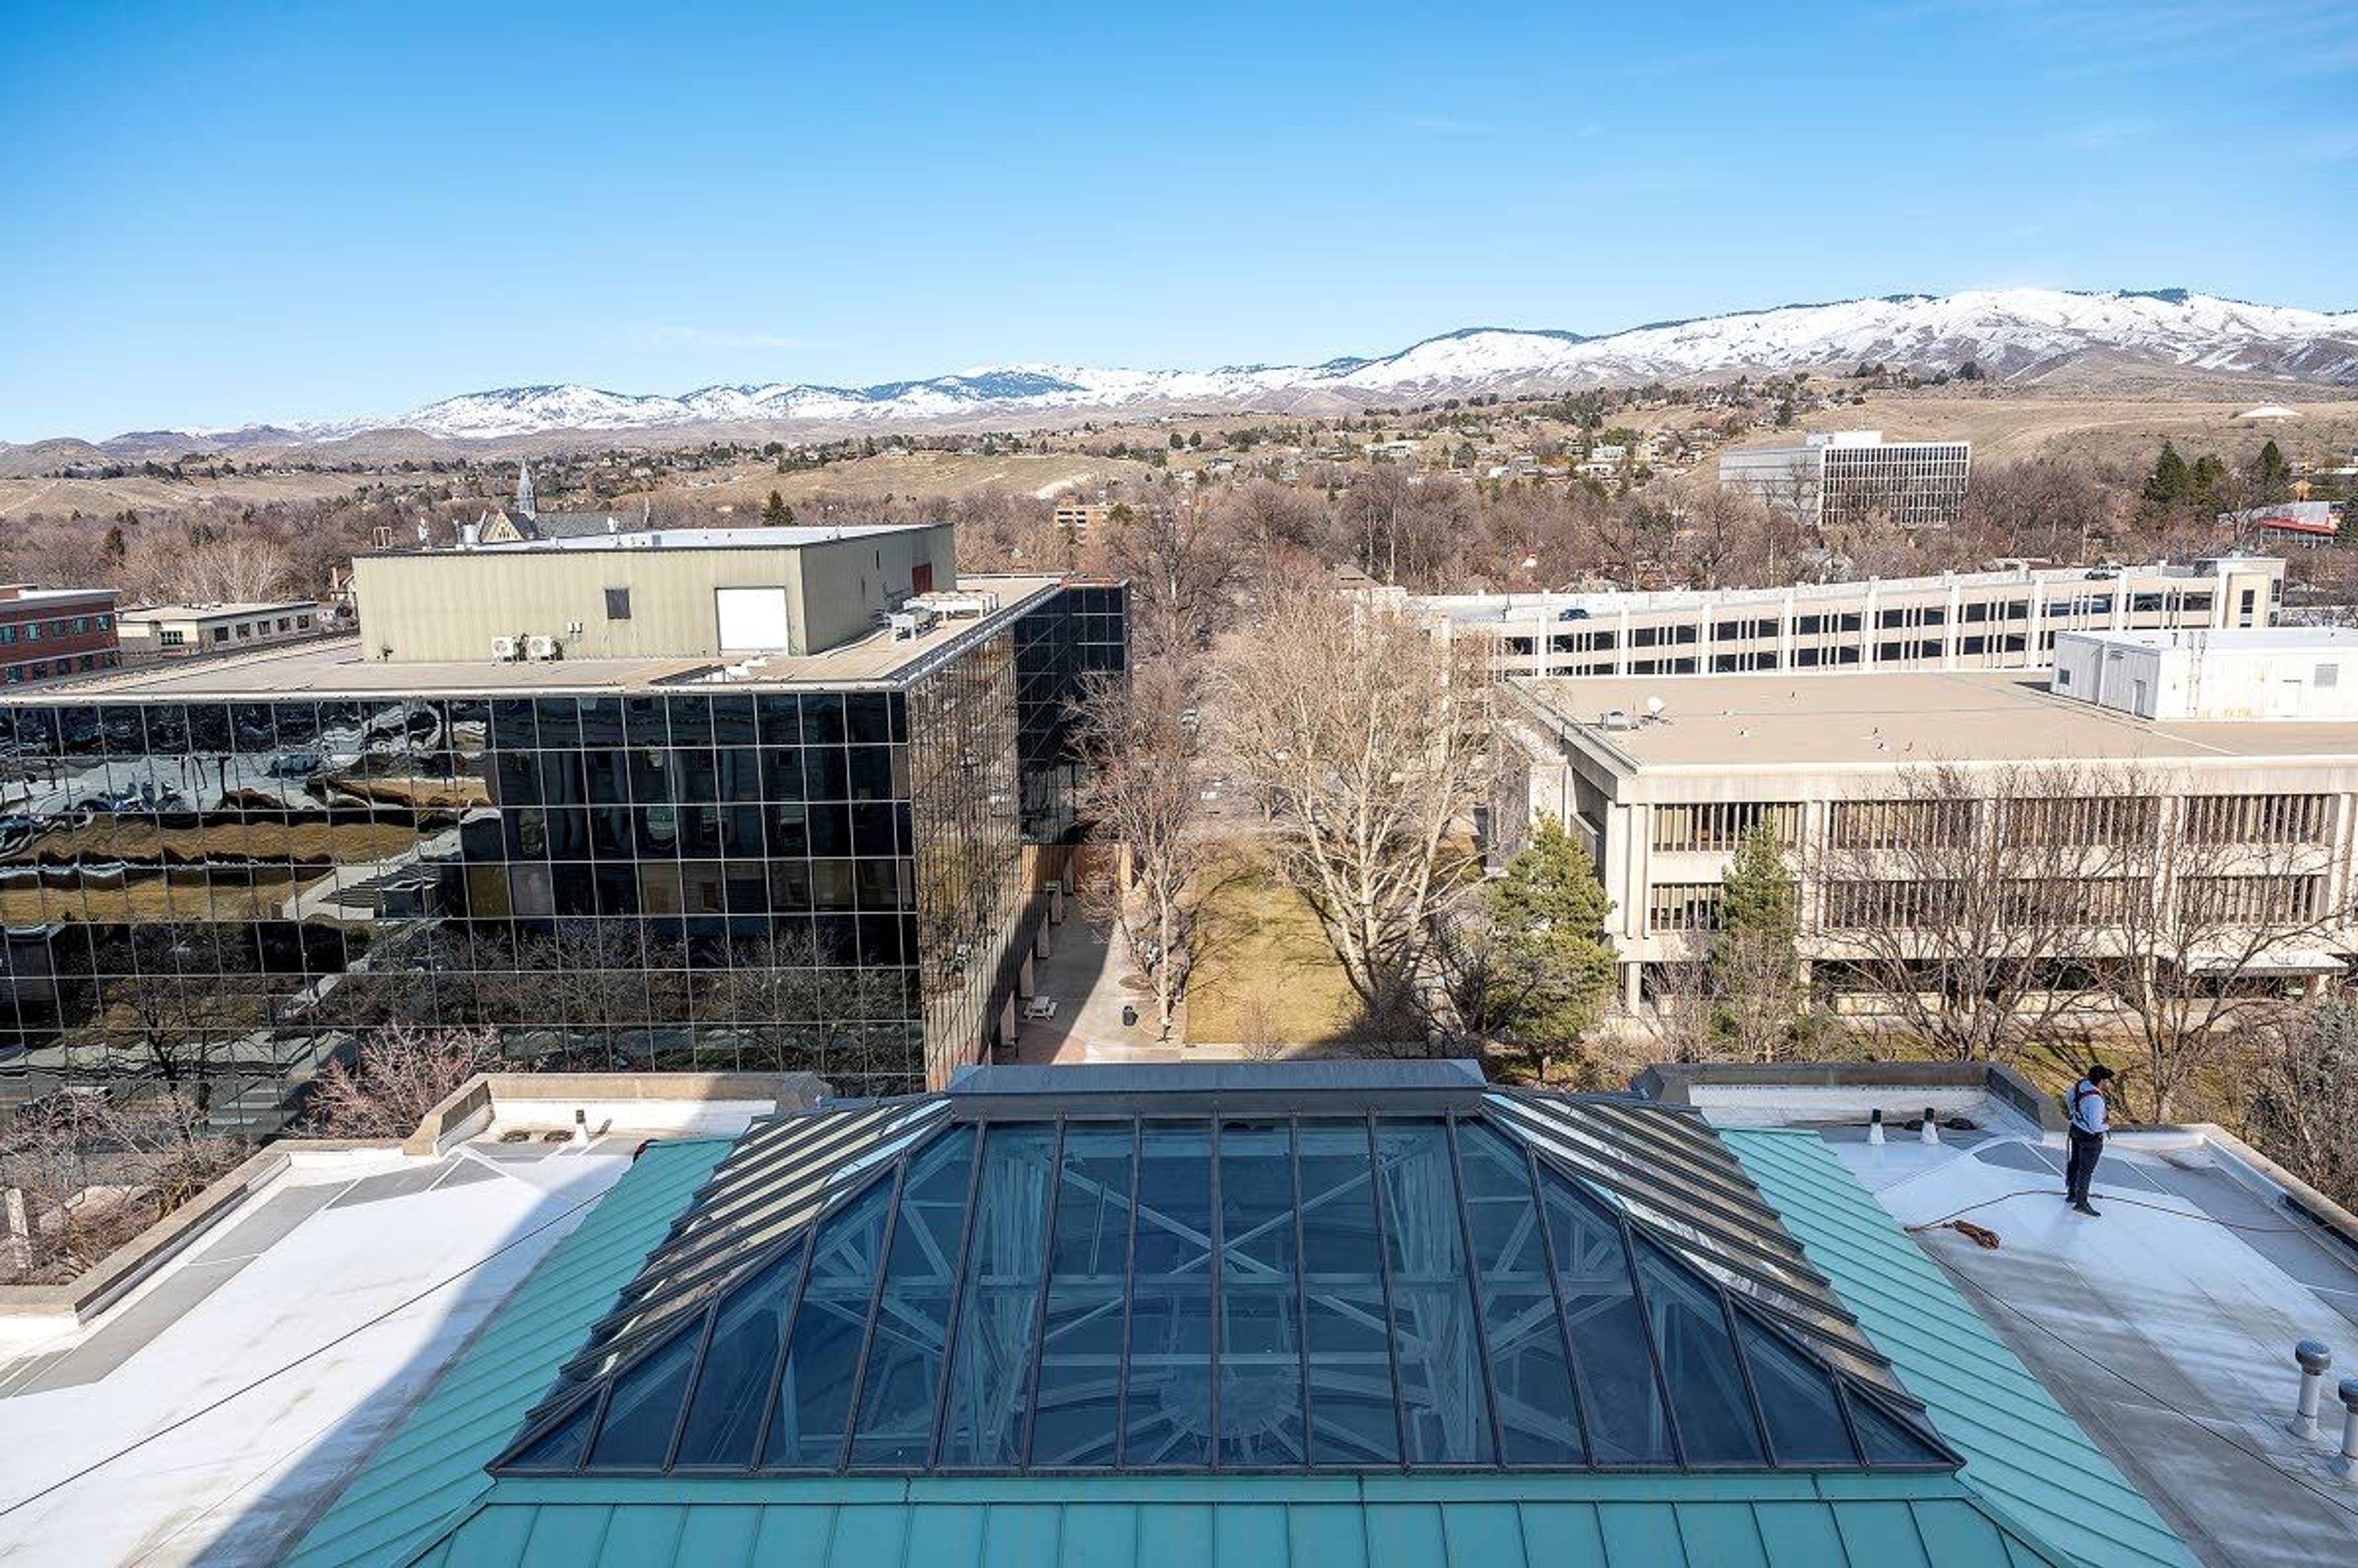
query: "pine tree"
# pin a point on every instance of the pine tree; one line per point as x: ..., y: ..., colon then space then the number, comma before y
x: 2209, y: 473
x: 775, y: 513
x: 1549, y: 914
x: 2171, y: 482
x: 1755, y: 964
x: 2276, y: 474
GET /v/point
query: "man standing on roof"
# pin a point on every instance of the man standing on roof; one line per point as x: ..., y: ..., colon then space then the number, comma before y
x: 2088, y: 1125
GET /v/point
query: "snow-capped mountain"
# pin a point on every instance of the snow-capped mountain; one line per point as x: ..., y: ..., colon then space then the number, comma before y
x: 2017, y: 333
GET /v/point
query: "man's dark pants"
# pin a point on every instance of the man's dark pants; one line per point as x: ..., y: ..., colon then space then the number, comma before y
x: 2087, y: 1148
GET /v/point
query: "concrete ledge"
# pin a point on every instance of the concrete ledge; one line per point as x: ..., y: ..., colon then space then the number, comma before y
x: 104, y: 1283
x: 549, y: 1099
x: 2259, y: 1170
x: 541, y: 1100
x: 1850, y: 1090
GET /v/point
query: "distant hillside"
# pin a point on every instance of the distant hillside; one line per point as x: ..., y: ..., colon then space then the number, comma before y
x: 2024, y: 335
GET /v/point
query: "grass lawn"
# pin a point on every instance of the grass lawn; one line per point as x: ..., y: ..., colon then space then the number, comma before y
x: 1266, y: 975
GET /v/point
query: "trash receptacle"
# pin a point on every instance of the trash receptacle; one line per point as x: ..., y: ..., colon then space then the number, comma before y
x: 1129, y: 1016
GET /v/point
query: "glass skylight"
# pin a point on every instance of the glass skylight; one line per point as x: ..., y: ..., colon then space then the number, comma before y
x: 1215, y: 1292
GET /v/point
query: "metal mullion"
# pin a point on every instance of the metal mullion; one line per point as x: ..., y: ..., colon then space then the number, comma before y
x: 1129, y: 1297
x: 1655, y: 1189
x: 1301, y: 1285
x: 590, y: 1433
x: 868, y: 1329
x: 1682, y: 1167
x: 956, y: 1306
x: 1576, y: 1376
x: 1744, y: 1371
x: 785, y: 1346
x: 786, y: 1164
x: 1473, y: 1271
x: 1653, y: 1349
x: 1751, y: 1269
x: 1384, y: 1273
x: 1217, y: 1228
x: 1039, y: 1306
x: 694, y: 1370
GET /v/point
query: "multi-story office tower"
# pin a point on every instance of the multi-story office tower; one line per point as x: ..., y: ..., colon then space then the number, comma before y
x: 759, y: 832
x: 1892, y: 795
x: 45, y: 632
x: 1848, y: 476
x: 1965, y: 620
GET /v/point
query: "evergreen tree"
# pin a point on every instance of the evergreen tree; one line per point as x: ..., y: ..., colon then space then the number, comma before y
x: 2209, y: 474
x: 2276, y: 474
x: 775, y: 513
x: 2171, y: 482
x: 1547, y: 913
x: 1755, y: 965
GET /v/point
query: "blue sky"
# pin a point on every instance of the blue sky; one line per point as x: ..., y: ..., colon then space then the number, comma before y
x: 245, y: 211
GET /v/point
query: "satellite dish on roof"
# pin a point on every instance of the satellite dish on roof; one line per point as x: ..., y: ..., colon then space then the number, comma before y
x: 1654, y: 705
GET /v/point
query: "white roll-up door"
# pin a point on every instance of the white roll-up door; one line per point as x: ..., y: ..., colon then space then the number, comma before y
x: 752, y: 620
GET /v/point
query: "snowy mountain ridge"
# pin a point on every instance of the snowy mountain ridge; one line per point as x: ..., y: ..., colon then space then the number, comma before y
x: 2009, y: 332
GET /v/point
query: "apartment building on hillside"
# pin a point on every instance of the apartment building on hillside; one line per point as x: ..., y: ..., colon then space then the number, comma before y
x: 1855, y: 476
x: 2006, y: 619
x: 2253, y: 821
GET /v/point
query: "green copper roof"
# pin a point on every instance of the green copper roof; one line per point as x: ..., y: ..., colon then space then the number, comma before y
x: 1366, y: 1522
x: 432, y: 1467
x: 2022, y: 1451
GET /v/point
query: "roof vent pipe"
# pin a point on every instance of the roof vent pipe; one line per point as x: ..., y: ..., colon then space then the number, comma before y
x: 1875, y: 1126
x: 2314, y: 1357
x: 2346, y: 1465
x: 1932, y: 1133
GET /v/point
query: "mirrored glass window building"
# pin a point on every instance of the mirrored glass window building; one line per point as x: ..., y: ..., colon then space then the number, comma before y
x: 216, y: 878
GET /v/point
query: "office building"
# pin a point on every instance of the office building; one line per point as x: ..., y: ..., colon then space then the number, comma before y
x: 179, y: 630
x: 45, y: 632
x: 2002, y: 620
x: 1855, y: 476
x: 2241, y: 816
x: 770, y: 827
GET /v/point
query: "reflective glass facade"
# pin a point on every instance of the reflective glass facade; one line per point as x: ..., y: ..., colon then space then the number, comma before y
x: 1105, y: 1287
x: 226, y: 893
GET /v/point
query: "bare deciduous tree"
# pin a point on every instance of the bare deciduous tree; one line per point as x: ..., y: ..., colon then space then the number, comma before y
x: 1139, y: 794
x: 2220, y: 904
x: 1955, y: 901
x: 2304, y: 1081
x: 1183, y: 567
x: 1366, y: 743
x: 397, y: 1075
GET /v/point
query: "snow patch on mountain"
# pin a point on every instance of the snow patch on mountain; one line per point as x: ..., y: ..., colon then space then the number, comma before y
x: 2007, y: 331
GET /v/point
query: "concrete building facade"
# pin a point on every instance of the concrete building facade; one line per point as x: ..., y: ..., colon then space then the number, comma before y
x: 181, y: 630
x: 660, y: 593
x: 2286, y: 672
x: 1833, y: 768
x: 2002, y: 620
x: 1850, y: 476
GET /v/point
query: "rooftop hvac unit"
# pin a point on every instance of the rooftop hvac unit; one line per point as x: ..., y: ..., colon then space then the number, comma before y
x: 914, y: 623
x: 503, y: 650
x: 538, y: 646
x: 1616, y: 719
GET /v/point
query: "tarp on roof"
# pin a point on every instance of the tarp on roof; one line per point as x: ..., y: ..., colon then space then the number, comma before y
x: 432, y: 1470
x: 2022, y: 1450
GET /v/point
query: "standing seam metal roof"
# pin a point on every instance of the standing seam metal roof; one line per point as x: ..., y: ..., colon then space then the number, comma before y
x: 2022, y: 1450
x: 432, y: 1470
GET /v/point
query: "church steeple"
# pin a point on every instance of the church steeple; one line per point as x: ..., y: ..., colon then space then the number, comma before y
x: 524, y: 506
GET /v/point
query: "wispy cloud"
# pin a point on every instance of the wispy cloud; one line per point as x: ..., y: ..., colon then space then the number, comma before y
x: 2331, y: 144
x: 672, y: 336
x: 2103, y: 137
x: 1440, y: 124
